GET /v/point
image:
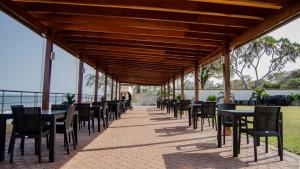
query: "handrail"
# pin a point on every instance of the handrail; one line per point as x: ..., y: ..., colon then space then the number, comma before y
x: 33, y: 98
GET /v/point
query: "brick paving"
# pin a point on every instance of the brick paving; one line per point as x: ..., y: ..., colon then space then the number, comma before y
x: 147, y: 138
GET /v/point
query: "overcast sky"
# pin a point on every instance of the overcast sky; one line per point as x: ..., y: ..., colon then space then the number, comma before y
x: 22, y: 57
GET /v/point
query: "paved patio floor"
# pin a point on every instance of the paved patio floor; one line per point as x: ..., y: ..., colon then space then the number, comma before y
x: 147, y: 138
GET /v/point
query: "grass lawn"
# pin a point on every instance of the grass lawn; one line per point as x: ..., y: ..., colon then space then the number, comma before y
x: 291, y: 127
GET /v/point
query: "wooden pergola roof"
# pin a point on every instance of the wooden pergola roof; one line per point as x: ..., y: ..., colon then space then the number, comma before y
x: 150, y: 41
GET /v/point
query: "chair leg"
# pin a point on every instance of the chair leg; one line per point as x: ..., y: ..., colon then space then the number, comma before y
x: 280, y: 147
x: 47, y: 141
x: 247, y: 130
x: 22, y: 145
x: 266, y: 144
x: 93, y: 125
x: 12, y: 148
x: 247, y: 135
x: 208, y: 119
x: 104, y: 123
x: 66, y: 141
x: 89, y: 127
x: 73, y: 138
x: 224, y: 137
x: 69, y: 138
x: 36, y: 146
x: 255, y: 148
x: 202, y: 121
x: 40, y: 148
x: 216, y: 124
x: 239, y: 138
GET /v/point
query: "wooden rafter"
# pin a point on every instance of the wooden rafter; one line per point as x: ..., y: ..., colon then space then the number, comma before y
x: 150, y: 41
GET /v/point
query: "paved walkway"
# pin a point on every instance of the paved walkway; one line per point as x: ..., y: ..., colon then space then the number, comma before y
x: 147, y: 138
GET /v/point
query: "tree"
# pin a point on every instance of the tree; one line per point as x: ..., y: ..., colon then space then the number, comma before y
x: 280, y: 52
x: 90, y: 80
x: 213, y: 69
x: 205, y: 74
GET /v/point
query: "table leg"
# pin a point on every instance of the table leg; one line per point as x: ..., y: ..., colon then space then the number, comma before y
x: 99, y: 116
x: 52, y: 139
x: 2, y: 137
x: 75, y: 127
x: 219, y: 135
x: 235, y: 136
x: 190, y: 117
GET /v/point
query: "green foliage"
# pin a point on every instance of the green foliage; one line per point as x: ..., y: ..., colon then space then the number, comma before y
x: 269, y: 85
x: 70, y: 99
x: 212, y: 98
x: 279, y: 52
x: 90, y: 80
x: 260, y: 92
x: 294, y: 96
x: 178, y: 97
x: 221, y: 96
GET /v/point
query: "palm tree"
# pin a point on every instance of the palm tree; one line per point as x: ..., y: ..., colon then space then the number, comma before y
x: 91, y: 80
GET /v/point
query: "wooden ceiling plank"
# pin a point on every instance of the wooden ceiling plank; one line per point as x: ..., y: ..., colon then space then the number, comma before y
x: 277, y: 4
x: 151, y: 6
x: 147, y: 38
x: 139, y: 14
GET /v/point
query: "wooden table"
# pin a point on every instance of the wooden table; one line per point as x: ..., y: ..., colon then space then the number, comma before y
x: 235, y: 116
x: 191, y: 112
x: 47, y: 115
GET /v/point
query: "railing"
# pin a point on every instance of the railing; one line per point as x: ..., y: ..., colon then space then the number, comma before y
x: 31, y: 98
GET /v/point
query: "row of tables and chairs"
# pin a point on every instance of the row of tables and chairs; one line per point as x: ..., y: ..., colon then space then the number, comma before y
x: 34, y: 123
x: 263, y: 121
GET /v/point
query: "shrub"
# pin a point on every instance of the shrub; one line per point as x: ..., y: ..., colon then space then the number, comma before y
x: 212, y: 98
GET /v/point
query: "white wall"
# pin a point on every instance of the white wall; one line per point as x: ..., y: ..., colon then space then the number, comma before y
x: 238, y: 94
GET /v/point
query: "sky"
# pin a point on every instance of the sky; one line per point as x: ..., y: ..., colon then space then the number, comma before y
x: 22, y: 57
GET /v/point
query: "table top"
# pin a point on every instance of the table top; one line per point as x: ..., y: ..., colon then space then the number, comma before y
x: 236, y: 112
x: 8, y: 113
x: 195, y: 105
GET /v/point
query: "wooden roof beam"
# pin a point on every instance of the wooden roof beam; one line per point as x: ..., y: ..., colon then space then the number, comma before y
x: 139, y: 14
x: 181, y: 7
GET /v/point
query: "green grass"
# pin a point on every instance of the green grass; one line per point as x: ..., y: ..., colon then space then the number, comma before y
x: 291, y: 127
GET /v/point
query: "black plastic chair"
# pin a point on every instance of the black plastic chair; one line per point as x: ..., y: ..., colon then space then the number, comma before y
x: 113, y: 110
x: 60, y: 107
x: 208, y: 110
x: 184, y: 106
x: 85, y: 114
x: 66, y: 128
x: 98, y: 112
x: 226, y: 121
x: 28, y: 123
x: 267, y: 122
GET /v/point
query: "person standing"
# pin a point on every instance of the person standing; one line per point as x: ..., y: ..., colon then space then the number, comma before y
x: 129, y: 100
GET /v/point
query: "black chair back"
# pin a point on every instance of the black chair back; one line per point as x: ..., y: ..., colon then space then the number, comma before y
x: 266, y: 119
x: 27, y: 120
x: 197, y: 102
x: 230, y: 106
x: 84, y: 111
x: 184, y: 104
x: 112, y: 106
x: 59, y: 107
x: 69, y: 117
x: 97, y: 103
x: 208, y: 108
